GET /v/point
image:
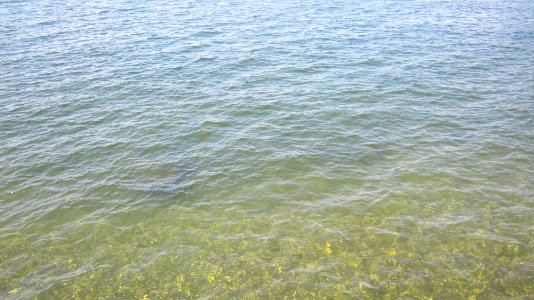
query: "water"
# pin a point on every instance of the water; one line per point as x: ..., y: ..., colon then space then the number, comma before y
x: 266, y: 149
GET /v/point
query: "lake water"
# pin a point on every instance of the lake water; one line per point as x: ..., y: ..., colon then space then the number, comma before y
x: 266, y: 149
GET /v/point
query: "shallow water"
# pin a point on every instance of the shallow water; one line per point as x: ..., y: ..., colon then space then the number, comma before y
x: 267, y: 149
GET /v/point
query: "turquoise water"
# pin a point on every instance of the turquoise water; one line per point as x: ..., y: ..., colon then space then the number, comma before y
x: 266, y: 149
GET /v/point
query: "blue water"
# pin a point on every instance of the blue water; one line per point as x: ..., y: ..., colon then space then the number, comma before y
x: 266, y: 149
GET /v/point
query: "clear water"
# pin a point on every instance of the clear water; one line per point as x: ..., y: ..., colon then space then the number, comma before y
x: 266, y: 149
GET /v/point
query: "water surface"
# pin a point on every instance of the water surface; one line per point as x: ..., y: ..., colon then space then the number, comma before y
x: 266, y: 149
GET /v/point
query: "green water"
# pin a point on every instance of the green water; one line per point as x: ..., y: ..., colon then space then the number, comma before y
x: 267, y: 150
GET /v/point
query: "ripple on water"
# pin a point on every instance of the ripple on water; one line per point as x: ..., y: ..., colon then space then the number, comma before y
x: 266, y: 150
